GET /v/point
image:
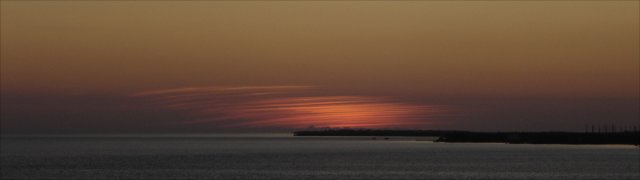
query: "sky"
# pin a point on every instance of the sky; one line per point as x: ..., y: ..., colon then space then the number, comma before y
x: 278, y: 66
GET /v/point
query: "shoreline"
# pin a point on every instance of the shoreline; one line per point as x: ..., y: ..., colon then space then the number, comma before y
x: 569, y: 138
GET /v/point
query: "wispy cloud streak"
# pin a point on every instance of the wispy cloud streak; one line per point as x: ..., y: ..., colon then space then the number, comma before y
x: 286, y: 107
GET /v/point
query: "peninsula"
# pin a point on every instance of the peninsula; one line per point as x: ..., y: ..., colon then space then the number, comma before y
x: 622, y: 137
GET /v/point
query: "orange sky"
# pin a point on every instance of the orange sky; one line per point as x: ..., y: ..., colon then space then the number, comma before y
x: 366, y: 50
x: 463, y: 48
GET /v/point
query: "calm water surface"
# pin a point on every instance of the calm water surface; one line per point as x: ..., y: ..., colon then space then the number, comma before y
x: 285, y: 157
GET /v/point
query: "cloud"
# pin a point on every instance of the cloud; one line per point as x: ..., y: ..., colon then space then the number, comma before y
x: 289, y: 107
x: 219, y: 90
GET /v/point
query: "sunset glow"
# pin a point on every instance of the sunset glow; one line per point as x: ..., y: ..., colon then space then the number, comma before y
x: 336, y: 111
x: 254, y: 108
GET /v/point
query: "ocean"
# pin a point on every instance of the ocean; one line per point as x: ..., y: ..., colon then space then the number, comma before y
x: 282, y: 156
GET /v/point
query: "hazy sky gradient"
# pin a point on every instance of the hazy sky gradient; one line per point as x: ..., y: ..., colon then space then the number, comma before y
x: 494, y: 64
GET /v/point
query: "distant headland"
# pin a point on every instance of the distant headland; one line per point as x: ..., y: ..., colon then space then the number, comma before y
x: 623, y: 137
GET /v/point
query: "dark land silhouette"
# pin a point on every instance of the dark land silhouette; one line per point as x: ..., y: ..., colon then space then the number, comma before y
x: 622, y: 137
